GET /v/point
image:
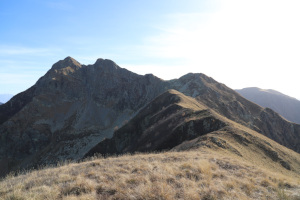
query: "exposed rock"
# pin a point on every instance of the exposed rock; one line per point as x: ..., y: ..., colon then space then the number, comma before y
x: 69, y: 110
x: 175, y: 122
x: 73, y: 107
x: 164, y: 123
x: 230, y: 104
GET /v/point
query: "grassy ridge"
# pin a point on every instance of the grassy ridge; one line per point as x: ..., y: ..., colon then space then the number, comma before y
x: 201, y: 174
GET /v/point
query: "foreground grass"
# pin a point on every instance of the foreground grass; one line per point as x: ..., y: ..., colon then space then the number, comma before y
x: 171, y: 175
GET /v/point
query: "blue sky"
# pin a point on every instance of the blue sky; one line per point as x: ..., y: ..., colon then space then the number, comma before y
x: 239, y: 43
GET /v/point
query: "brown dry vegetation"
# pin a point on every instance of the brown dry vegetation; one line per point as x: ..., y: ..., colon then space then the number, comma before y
x: 200, y: 174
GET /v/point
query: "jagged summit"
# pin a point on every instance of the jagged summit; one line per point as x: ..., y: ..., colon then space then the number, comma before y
x: 73, y: 107
x: 67, y: 62
x: 106, y: 64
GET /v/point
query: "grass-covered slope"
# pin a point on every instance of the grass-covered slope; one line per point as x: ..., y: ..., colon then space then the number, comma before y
x: 173, y: 121
x: 217, y: 160
x: 197, y: 174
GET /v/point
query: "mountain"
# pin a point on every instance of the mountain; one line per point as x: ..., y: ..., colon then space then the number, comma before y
x: 165, y: 122
x: 230, y: 104
x: 69, y: 110
x: 199, y: 154
x: 286, y: 106
x: 1, y: 103
x: 176, y: 122
x: 5, y: 97
x: 73, y: 107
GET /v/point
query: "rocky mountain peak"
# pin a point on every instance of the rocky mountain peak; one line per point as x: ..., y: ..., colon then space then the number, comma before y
x: 106, y: 65
x: 67, y: 62
x: 74, y: 107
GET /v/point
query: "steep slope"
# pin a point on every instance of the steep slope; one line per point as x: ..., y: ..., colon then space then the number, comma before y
x: 69, y: 110
x: 209, y: 157
x: 73, y: 107
x: 175, y: 122
x: 167, y: 121
x: 230, y: 104
x: 286, y: 106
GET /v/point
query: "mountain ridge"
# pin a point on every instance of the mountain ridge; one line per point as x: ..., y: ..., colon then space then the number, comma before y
x: 73, y: 107
x: 173, y: 121
x: 286, y: 106
x: 199, y: 154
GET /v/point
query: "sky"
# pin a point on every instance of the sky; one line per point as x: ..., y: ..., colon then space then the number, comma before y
x: 249, y: 43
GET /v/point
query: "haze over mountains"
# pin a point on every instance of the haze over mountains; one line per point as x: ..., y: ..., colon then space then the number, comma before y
x: 5, y: 97
x: 73, y: 107
x: 286, y: 106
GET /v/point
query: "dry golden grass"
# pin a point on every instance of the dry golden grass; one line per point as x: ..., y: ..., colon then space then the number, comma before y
x: 171, y: 175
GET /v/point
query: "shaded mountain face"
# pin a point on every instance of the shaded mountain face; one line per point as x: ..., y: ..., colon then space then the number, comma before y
x: 230, y: 104
x: 286, y: 106
x: 73, y: 107
x: 165, y: 122
x: 69, y: 110
x: 176, y: 122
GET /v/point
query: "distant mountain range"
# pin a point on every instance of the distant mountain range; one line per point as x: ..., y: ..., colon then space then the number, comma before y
x: 5, y: 97
x: 70, y: 111
x: 286, y: 106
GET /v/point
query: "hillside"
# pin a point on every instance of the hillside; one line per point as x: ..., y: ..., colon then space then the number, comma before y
x: 69, y: 110
x: 165, y: 122
x: 209, y: 170
x: 206, y: 156
x: 201, y: 174
x: 173, y: 121
x: 73, y: 107
x: 177, y: 123
x: 286, y: 106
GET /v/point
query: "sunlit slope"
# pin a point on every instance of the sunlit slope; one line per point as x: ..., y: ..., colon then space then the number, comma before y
x: 176, y: 122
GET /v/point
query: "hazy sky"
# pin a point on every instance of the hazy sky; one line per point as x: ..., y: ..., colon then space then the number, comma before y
x: 241, y: 43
